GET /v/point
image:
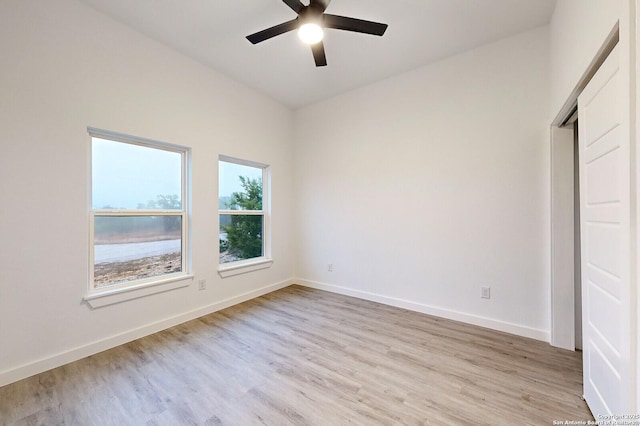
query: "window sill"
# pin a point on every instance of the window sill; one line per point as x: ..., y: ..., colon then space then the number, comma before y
x: 107, y: 297
x: 243, y: 267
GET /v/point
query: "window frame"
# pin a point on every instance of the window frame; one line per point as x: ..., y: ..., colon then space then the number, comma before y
x: 256, y: 263
x: 116, y: 293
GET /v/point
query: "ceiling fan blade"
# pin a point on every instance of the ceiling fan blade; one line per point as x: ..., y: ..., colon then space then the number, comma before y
x: 318, y: 54
x: 320, y: 4
x: 273, y: 31
x: 353, y: 24
x: 296, y: 5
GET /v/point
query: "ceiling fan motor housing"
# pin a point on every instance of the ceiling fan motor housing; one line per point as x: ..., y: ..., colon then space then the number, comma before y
x: 311, y: 14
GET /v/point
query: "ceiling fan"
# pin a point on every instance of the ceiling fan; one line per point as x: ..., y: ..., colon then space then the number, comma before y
x: 310, y: 23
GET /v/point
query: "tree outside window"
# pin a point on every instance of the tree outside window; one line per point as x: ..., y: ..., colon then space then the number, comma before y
x: 242, y: 211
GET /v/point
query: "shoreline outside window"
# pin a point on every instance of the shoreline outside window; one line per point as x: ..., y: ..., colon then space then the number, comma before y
x: 138, y: 213
x: 243, y: 197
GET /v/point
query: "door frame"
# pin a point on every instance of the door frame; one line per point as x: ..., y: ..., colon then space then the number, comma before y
x: 562, y: 297
x: 562, y: 239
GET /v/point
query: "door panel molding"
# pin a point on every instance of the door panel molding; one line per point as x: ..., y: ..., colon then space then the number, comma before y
x: 605, y: 216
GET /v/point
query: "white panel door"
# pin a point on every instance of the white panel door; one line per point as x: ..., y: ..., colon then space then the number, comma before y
x: 606, y: 237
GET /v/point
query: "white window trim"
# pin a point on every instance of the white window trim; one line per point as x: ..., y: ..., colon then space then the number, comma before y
x: 249, y: 265
x: 144, y: 287
x: 112, y: 296
x: 243, y: 266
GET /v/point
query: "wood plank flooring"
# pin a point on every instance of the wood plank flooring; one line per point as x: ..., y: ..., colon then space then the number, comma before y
x: 307, y: 357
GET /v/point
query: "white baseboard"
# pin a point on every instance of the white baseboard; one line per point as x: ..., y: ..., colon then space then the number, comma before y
x: 507, y: 327
x: 36, y: 367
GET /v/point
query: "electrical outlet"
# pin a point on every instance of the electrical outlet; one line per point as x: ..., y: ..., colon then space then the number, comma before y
x: 202, y: 285
x: 485, y: 292
x: 330, y: 267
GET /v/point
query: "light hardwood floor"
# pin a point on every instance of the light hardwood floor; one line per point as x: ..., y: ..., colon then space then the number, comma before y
x: 303, y: 356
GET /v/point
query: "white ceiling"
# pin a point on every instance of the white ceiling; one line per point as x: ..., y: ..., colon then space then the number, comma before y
x: 420, y: 32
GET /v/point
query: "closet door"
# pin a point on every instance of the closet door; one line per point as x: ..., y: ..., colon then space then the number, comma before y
x: 605, y: 208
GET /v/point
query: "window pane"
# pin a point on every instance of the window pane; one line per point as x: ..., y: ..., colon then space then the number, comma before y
x: 128, y: 248
x: 126, y: 176
x: 240, y: 187
x: 240, y: 237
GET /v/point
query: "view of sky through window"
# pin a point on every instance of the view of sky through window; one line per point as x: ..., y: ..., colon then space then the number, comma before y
x: 127, y: 176
x: 229, y: 176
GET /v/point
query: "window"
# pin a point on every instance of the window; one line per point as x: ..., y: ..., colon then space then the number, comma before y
x: 243, y: 215
x: 138, y: 215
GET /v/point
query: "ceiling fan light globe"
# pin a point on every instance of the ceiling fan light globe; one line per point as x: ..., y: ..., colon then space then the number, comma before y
x: 310, y: 33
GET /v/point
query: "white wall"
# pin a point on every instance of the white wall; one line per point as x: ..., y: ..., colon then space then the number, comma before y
x: 578, y: 30
x: 424, y: 187
x: 66, y: 67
